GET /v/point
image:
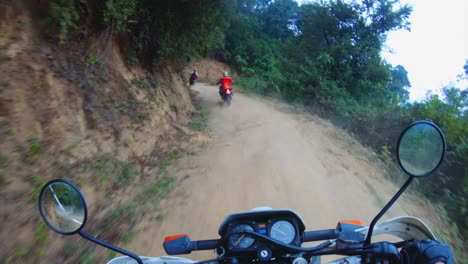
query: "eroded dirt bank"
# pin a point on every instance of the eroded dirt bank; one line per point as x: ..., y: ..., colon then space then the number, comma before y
x: 261, y: 154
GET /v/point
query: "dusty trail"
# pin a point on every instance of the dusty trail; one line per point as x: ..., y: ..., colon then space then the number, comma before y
x: 261, y: 156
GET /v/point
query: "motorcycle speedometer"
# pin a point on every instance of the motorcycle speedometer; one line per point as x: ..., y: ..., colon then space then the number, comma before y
x: 239, y: 240
x: 283, y: 231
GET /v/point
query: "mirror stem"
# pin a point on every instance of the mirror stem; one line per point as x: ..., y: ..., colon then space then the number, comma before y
x: 386, y: 207
x: 111, y: 247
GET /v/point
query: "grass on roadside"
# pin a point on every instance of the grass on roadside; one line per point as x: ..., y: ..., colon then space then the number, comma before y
x: 168, y: 162
x: 200, y: 120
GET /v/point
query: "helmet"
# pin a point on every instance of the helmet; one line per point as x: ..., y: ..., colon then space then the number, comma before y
x: 225, y: 73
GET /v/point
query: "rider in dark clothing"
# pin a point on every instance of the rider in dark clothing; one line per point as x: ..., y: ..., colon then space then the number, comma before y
x: 194, y: 76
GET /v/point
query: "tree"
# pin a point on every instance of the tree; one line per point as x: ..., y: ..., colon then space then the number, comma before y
x: 399, y: 83
x: 352, y: 34
x: 279, y: 19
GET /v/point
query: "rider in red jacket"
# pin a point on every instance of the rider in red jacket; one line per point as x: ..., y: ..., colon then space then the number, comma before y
x: 225, y: 83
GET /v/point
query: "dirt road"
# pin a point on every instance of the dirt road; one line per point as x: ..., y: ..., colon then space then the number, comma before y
x: 260, y: 155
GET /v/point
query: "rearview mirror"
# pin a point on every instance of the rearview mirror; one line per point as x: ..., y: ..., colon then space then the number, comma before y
x: 421, y: 148
x: 420, y: 151
x: 62, y: 207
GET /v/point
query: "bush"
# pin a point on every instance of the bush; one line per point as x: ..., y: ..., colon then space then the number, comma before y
x: 63, y: 15
x: 118, y: 14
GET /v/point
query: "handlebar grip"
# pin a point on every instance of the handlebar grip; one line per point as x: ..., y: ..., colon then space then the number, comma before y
x: 205, y: 244
x: 320, y: 235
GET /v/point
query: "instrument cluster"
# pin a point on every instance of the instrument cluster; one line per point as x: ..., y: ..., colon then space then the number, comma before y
x: 282, y: 230
x: 284, y: 226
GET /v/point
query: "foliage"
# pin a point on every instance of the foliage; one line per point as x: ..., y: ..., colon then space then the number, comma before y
x: 41, y: 236
x: 91, y: 59
x: 63, y: 15
x: 17, y: 255
x: 174, y: 107
x: 113, y: 171
x: 399, y: 84
x: 151, y: 30
x: 126, y: 171
x: 176, y: 29
x: 200, y: 120
x: 119, y: 14
x: 3, y: 161
x: 141, y: 83
x: 450, y: 116
x: 34, y: 148
x: 167, y: 162
x: 159, y: 189
x: 38, y: 182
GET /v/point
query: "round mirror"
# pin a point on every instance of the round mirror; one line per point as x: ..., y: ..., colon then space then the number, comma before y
x: 62, y: 207
x: 421, y: 148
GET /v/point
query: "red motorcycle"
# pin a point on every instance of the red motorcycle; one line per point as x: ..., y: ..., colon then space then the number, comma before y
x: 226, y: 94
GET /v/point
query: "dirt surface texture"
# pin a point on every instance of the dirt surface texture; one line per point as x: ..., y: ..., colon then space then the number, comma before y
x: 262, y: 153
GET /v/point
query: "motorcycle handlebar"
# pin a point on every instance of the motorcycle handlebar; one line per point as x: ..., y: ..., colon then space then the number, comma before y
x: 205, y: 244
x: 320, y: 235
x: 307, y: 237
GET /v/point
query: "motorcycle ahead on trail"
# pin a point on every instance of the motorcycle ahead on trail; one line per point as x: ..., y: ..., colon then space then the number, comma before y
x: 276, y: 235
x: 226, y: 95
x: 193, y: 78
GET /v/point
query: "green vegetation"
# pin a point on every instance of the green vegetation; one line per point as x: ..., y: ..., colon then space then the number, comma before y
x: 112, y: 254
x: 154, y: 30
x: 128, y: 237
x: 160, y: 217
x: 108, y: 170
x: 68, y: 248
x: 3, y: 161
x: 3, y: 55
x: 34, y: 148
x: 63, y: 15
x: 158, y: 190
x: 86, y: 257
x: 120, y: 214
x: 91, y: 59
x: 41, y: 236
x: 141, y: 83
x: 200, y: 120
x: 126, y: 171
x: 119, y: 14
x: 174, y: 108
x: 168, y: 162
x: 38, y: 182
x: 17, y: 255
